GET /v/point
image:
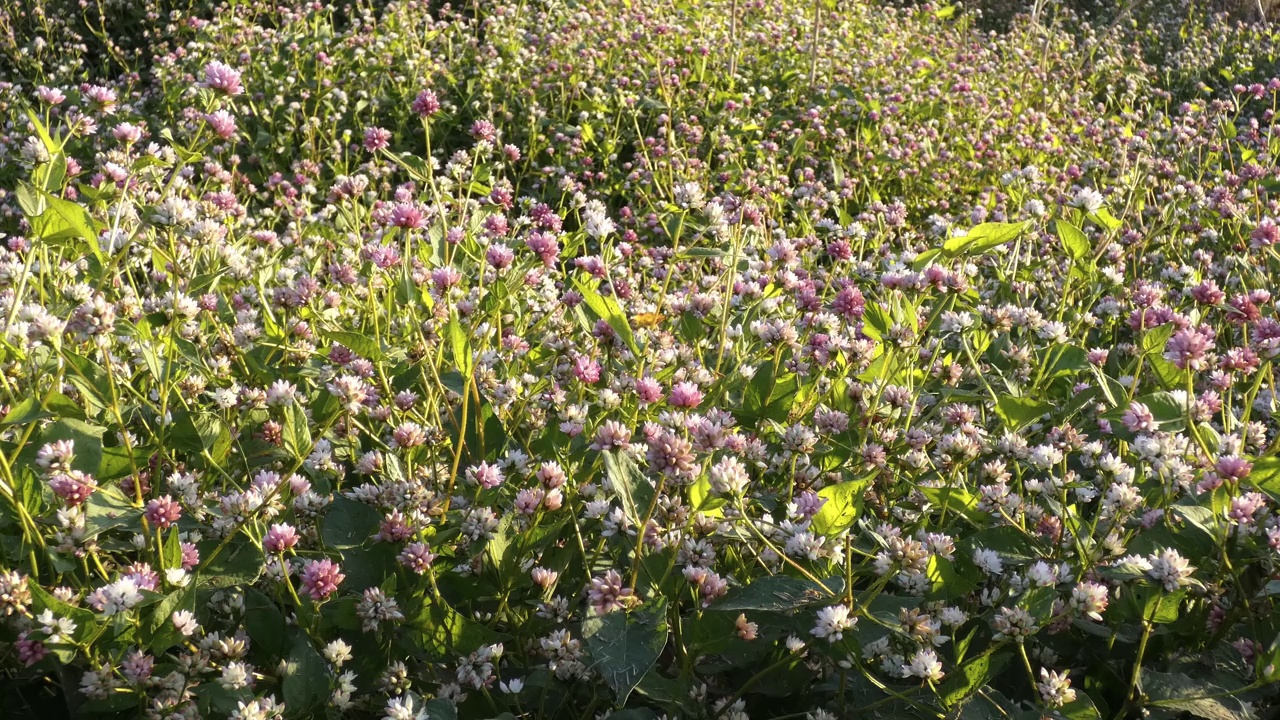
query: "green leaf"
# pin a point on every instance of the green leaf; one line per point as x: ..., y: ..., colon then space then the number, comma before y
x: 607, y: 308
x: 1268, y: 664
x: 53, y: 219
x: 444, y: 632
x: 1104, y: 218
x: 200, y: 432
x: 1009, y: 542
x: 239, y: 563
x: 1155, y: 339
x: 367, y: 567
x: 1166, y: 409
x: 779, y: 593
x: 1066, y: 360
x: 983, y: 237
x: 87, y: 439
x: 844, y: 502
x: 1082, y: 708
x: 1019, y: 411
x: 172, y: 557
x: 628, y: 483
x: 1265, y: 475
x: 86, y: 621
x: 161, y: 630
x: 1181, y: 692
x: 107, y: 509
x: 440, y: 709
x: 770, y: 394
x: 265, y: 623
x: 1073, y: 240
x: 702, y: 500
x: 26, y: 412
x: 306, y: 679
x: 348, y: 523
x: 460, y: 345
x: 971, y: 677
x: 358, y: 343
x: 296, y: 431
x: 624, y: 645
x: 946, y: 582
x: 1162, y: 607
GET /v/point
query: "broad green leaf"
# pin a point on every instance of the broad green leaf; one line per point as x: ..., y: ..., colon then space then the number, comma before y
x: 779, y: 593
x: 172, y: 556
x: 109, y: 508
x: 770, y: 394
x: 161, y: 630
x: 702, y: 500
x: 201, y: 432
x: 1074, y: 241
x: 876, y: 321
x: 607, y: 308
x: 843, y: 503
x: 444, y: 632
x: 970, y: 677
x: 358, y: 343
x: 440, y: 709
x: 60, y: 219
x: 983, y: 237
x: 295, y: 431
x: 1104, y: 218
x: 1155, y: 339
x: 87, y: 623
x: 348, y: 523
x: 1265, y: 475
x: 628, y: 483
x: 306, y: 678
x: 1082, y: 708
x: 1177, y: 691
x: 239, y: 563
x: 1019, y: 411
x: 367, y: 567
x: 625, y: 645
x: 946, y: 583
x: 1268, y: 663
x: 87, y: 439
x: 265, y: 623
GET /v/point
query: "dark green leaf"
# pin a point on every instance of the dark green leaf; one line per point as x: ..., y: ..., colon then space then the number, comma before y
x: 779, y: 593
x: 87, y: 439
x: 348, y: 523
x: 971, y: 677
x: 239, y: 563
x: 624, y: 645
x: 306, y: 679
x: 265, y: 623
x: 1177, y: 691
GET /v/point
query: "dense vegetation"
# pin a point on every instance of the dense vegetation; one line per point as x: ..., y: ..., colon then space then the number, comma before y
x: 717, y: 359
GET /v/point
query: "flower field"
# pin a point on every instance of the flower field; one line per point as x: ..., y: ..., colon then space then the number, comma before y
x: 578, y: 359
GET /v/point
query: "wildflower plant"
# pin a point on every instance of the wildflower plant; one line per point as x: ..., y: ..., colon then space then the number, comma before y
x: 714, y: 360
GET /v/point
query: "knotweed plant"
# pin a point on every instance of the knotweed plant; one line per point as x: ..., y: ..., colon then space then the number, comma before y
x: 594, y: 359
